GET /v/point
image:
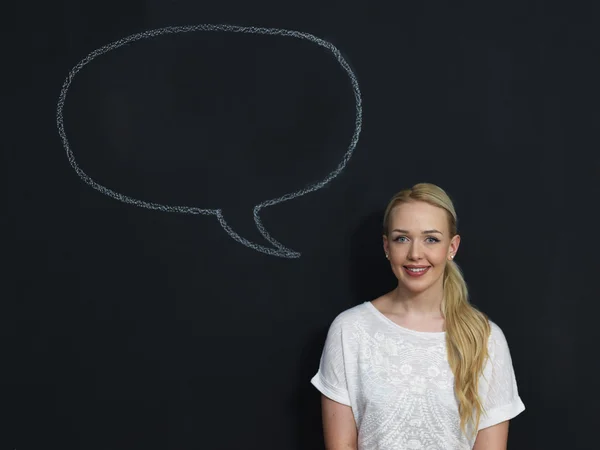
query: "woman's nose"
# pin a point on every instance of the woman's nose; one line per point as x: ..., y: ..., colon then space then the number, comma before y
x: 415, y: 252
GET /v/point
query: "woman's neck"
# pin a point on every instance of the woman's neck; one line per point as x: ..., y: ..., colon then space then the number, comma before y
x: 426, y: 303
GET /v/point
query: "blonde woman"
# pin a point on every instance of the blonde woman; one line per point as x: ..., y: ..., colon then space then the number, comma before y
x: 418, y: 368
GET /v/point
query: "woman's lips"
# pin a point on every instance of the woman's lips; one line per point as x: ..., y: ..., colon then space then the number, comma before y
x: 417, y: 273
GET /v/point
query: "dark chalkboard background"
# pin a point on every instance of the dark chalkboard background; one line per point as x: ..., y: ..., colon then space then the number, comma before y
x: 130, y: 328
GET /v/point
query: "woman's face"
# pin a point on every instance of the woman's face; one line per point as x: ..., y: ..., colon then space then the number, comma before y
x: 419, y: 245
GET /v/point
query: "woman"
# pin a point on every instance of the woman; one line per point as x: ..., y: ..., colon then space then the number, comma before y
x: 419, y: 367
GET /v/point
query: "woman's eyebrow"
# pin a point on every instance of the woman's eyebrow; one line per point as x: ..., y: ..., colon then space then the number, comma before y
x: 423, y: 232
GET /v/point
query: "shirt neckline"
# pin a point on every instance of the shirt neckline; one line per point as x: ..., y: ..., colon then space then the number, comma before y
x: 370, y: 306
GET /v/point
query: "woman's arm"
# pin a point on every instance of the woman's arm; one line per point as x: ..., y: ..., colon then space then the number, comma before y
x: 339, y: 426
x: 492, y: 438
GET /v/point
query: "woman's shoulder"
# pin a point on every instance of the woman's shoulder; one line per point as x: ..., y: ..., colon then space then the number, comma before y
x: 350, y: 315
x: 497, y: 337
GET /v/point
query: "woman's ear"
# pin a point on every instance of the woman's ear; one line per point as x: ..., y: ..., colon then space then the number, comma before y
x: 454, y: 244
x: 386, y: 246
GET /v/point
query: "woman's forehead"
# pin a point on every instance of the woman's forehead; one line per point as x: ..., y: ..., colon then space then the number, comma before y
x: 418, y: 214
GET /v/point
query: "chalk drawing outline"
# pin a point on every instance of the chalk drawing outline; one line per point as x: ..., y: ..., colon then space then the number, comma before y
x: 279, y: 250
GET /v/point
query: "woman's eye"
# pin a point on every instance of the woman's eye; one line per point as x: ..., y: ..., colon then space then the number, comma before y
x: 429, y: 239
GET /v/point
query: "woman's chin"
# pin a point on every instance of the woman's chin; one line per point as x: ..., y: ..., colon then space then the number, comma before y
x: 416, y: 285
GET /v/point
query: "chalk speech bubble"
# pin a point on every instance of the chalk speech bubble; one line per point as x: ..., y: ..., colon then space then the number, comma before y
x: 279, y: 249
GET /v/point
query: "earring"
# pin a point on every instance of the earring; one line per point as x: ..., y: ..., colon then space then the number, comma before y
x: 451, y: 256
x: 387, y: 256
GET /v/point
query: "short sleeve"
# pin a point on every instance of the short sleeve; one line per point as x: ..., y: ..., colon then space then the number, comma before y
x: 501, y: 399
x: 330, y: 379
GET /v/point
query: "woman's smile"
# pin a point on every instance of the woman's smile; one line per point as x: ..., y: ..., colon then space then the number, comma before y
x: 416, y: 271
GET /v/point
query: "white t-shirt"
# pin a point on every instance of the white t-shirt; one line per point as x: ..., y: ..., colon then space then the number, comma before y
x: 400, y: 386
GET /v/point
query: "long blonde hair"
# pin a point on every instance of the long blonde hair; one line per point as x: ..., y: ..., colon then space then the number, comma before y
x: 467, y: 328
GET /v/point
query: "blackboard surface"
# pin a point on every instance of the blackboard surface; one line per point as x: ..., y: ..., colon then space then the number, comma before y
x: 163, y: 317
